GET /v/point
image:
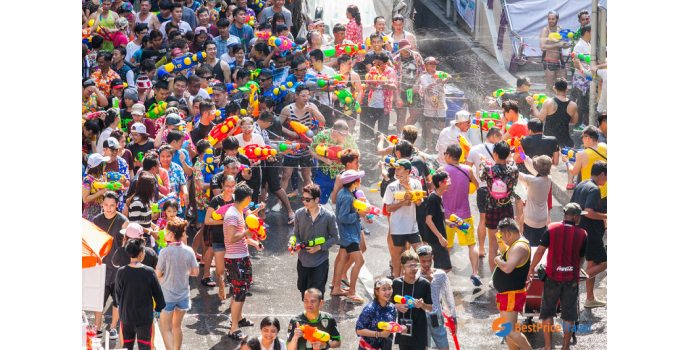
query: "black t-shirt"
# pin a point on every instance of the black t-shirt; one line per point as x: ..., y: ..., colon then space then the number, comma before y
x: 125, y: 117
x: 324, y: 323
x: 216, y: 182
x: 588, y: 195
x: 135, y: 148
x: 539, y: 145
x: 275, y: 130
x: 217, y: 230
x: 200, y: 131
x: 421, y: 289
x: 524, y: 107
x: 369, y: 57
x: 111, y: 227
x: 434, y: 207
x: 136, y: 288
x: 155, y: 55
x: 152, y: 100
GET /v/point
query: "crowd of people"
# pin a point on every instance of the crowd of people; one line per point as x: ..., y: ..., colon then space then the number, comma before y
x: 195, y: 112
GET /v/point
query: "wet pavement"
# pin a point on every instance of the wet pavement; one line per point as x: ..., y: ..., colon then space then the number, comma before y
x: 275, y: 293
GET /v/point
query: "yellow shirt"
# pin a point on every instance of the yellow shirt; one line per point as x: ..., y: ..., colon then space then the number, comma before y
x: 591, y: 158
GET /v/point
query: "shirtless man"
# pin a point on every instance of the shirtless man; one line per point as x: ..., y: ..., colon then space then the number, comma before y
x: 553, y: 51
x: 399, y: 33
x: 353, y: 84
x: 164, y: 15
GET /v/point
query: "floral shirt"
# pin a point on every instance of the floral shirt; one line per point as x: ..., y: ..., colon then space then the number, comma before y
x: 390, y: 75
x: 370, y: 317
x: 418, y: 61
x: 123, y: 169
x: 103, y: 83
x: 177, y: 178
x: 202, y: 199
x: 353, y: 32
x: 91, y: 210
x: 506, y: 172
x: 91, y: 57
x: 325, y: 137
x: 89, y: 104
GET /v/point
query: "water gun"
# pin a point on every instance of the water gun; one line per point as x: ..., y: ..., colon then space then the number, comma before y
x: 349, y: 49
x: 221, y: 131
x: 156, y: 207
x: 539, y: 99
x: 282, y: 43
x: 305, y: 134
x: 485, y: 124
x: 278, y: 92
x: 450, y: 323
x: 162, y: 243
x: 361, y: 205
x: 93, y: 115
x: 411, y: 196
x: 390, y: 327
x: 324, y: 82
x: 565, y: 35
x: 390, y: 160
x: 376, y: 189
x: 571, y: 153
x: 588, y: 74
x: 113, y: 176
x: 441, y: 75
x: 407, y: 300
x: 257, y: 5
x: 264, y: 34
x: 254, y: 74
x: 393, y: 139
x: 114, y: 186
x: 157, y: 110
x: 256, y: 152
x: 373, y: 77
x: 210, y: 169
x: 140, y: 157
x: 250, y: 20
x: 488, y: 115
x: 466, y: 146
x: 254, y: 98
x: 348, y: 101
x: 288, y: 146
x: 184, y: 62
x: 581, y: 57
x: 500, y: 92
x: 517, y: 144
x: 256, y: 225
x: 455, y: 220
x: 313, y: 334
x: 330, y: 152
x: 294, y: 246
x: 219, y: 213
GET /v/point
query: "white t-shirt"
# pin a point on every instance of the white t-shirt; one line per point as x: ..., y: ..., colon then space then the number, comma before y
x: 132, y: 47
x: 104, y: 136
x: 585, y: 48
x: 324, y: 97
x: 184, y: 27
x: 282, y: 345
x: 256, y: 140
x: 475, y: 159
x: 447, y: 137
x: 536, y: 209
x: 403, y: 220
x: 230, y: 60
x: 604, y: 81
x: 201, y: 93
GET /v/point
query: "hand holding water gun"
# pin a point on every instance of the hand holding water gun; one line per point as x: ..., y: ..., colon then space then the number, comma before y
x: 330, y: 152
x: 390, y: 327
x: 393, y: 139
x: 294, y: 245
x: 441, y: 75
x: 256, y: 225
x: 305, y: 134
x: 158, y: 206
x: 221, y: 131
x: 348, y: 101
x: 210, y: 169
x: 539, y: 99
x: 456, y: 221
x: 156, y: 110
x: 516, y: 143
x: 94, y: 115
x: 362, y: 205
x: 407, y: 300
x: 498, y: 93
x: 219, y: 213
x: 313, y: 334
x: 570, y: 153
x: 113, y: 186
x: 409, y: 195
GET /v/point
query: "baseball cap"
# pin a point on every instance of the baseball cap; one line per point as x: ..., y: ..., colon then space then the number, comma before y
x: 126, y: 7
x: 134, y: 230
x: 138, y: 128
x: 113, y: 143
x: 573, y: 209
x: 121, y: 23
x: 462, y: 116
x: 138, y: 109
x: 400, y: 163
x: 95, y: 159
x: 430, y: 59
x: 281, y: 27
x: 143, y: 82
x: 233, y: 40
x: 174, y: 119
x: 117, y: 84
x: 404, y: 43
x: 349, y: 176
x: 88, y: 82
x: 253, y: 41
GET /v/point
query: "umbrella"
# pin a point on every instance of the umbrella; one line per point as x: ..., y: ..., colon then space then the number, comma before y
x: 95, y: 244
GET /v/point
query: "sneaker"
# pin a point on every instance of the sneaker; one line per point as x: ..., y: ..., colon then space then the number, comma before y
x: 113, y: 333
x: 475, y: 280
x: 579, y: 127
x: 594, y: 303
x: 276, y: 208
x: 99, y: 334
x: 366, y: 231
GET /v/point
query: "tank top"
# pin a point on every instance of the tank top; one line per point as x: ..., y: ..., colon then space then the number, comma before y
x: 556, y: 124
x: 218, y: 72
x: 591, y: 158
x: 306, y: 120
x: 107, y: 22
x: 506, y: 282
x: 148, y: 19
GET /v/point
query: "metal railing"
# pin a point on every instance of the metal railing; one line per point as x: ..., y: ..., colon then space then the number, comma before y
x: 517, y: 47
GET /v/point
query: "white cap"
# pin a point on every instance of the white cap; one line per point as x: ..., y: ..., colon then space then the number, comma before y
x: 95, y: 159
x: 233, y: 40
x: 138, y: 128
x: 462, y: 116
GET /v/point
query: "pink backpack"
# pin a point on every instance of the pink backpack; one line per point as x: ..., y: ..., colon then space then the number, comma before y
x: 499, y: 189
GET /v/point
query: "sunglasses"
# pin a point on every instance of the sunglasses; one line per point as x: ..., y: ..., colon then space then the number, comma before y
x: 412, y: 265
x: 247, y: 127
x: 343, y: 134
x: 207, y: 78
x: 264, y: 79
x: 301, y: 70
x: 306, y: 199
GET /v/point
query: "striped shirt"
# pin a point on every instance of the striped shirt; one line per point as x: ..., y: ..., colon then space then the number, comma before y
x: 140, y: 213
x: 566, y: 243
x: 238, y: 249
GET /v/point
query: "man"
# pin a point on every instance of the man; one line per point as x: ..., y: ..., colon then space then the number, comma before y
x: 104, y: 75
x: 144, y: 16
x: 195, y: 90
x: 499, y: 205
x: 140, y: 31
x: 112, y: 122
x: 157, y: 50
x: 119, y: 66
x: 589, y: 197
x: 414, y: 318
x: 582, y: 18
x: 161, y: 94
x: 328, y: 169
x: 409, y: 65
x: 536, y: 144
x: 403, y: 222
x: 313, y: 317
x: 180, y: 90
x: 522, y: 95
x: 380, y: 98
x: 116, y: 164
x: 301, y: 111
x: 278, y: 6
x: 299, y: 70
x: 204, y: 21
x: 420, y: 172
x: 221, y: 39
x: 409, y: 134
x: 477, y: 152
x: 580, y: 91
x: 457, y: 202
x: 513, y: 267
x: 219, y: 68
x: 188, y: 14
x: 111, y: 222
x: 312, y: 222
x: 603, y: 126
x: 164, y: 15
x: 380, y: 27
x: 324, y: 96
x: 339, y: 34
x: 552, y: 51
x: 567, y: 244
x: 559, y: 114
x: 141, y: 143
x: 220, y: 99
x: 376, y: 41
x: 593, y: 151
x: 181, y: 156
x: 449, y: 136
x: 176, y: 19
x: 399, y: 34
x: 138, y: 117
x: 434, y: 100
x: 205, y: 124
x: 106, y: 19
x: 238, y: 29
x: 441, y: 295
x: 270, y: 173
x: 117, y: 88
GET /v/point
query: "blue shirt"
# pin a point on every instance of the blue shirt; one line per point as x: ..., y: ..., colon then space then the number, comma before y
x: 245, y: 34
x: 370, y: 317
x: 221, y: 46
x: 176, y: 158
x: 347, y: 218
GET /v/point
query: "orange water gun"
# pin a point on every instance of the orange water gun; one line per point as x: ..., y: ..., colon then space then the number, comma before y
x: 313, y: 334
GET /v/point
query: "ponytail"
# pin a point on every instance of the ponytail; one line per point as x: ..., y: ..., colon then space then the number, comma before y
x: 354, y: 11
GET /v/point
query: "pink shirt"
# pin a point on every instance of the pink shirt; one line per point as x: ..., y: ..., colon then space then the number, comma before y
x: 119, y: 39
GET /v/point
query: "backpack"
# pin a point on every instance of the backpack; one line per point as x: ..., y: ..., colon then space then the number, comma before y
x: 499, y: 189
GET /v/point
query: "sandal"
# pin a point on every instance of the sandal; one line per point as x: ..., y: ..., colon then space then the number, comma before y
x: 344, y: 293
x: 345, y: 282
x: 208, y: 282
x: 291, y: 220
x: 570, y: 187
x: 292, y: 196
x: 245, y: 323
x: 356, y: 298
x: 237, y: 335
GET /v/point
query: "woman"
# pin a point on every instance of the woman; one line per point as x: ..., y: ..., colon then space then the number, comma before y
x: 91, y: 196
x: 138, y: 208
x: 176, y: 263
x: 378, y: 310
x: 217, y: 239
x: 123, y: 152
x: 120, y: 35
x: 353, y: 30
x: 237, y: 59
x: 279, y: 18
x: 200, y: 37
x: 270, y: 326
x: 536, y: 214
x: 178, y: 182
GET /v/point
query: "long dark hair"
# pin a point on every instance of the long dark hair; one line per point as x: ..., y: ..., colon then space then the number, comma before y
x: 145, y: 186
x: 254, y: 343
x: 275, y: 19
x: 354, y: 11
x: 272, y: 321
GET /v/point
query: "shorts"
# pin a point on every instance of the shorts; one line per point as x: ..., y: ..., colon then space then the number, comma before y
x: 513, y: 300
x: 271, y: 176
x: 441, y: 257
x: 412, y: 238
x: 553, y: 66
x: 495, y: 215
x: 182, y: 305
x: 482, y: 193
x: 218, y: 247
x: 239, y: 274
x: 416, y: 100
x: 532, y: 234
x: 464, y: 239
x: 109, y: 292
x: 352, y: 247
x: 566, y: 292
x: 326, y: 184
x: 304, y: 162
x: 200, y: 216
x: 439, y: 117
x: 596, y: 251
x: 207, y: 233
x: 439, y: 338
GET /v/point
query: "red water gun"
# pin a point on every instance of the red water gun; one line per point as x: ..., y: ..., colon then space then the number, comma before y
x: 256, y: 152
x: 94, y: 115
x: 256, y: 225
x: 450, y: 323
x: 305, y: 134
x: 373, y: 77
x: 221, y: 131
x: 390, y: 327
x: 348, y: 49
x: 330, y: 152
x: 393, y: 139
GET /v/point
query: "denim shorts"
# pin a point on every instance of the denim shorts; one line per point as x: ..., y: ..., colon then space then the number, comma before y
x: 438, y: 334
x: 218, y: 247
x: 182, y: 305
